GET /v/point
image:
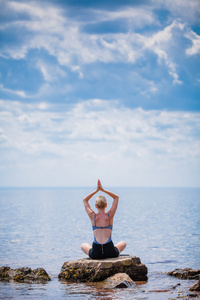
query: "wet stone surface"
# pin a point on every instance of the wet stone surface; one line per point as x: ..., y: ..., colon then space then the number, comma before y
x: 24, y: 274
x: 196, y: 287
x: 186, y: 273
x: 88, y: 270
x: 119, y: 280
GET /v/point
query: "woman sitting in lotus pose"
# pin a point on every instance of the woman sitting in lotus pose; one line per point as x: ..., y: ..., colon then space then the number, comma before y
x: 102, y: 223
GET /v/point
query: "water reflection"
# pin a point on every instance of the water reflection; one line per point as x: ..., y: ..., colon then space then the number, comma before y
x: 96, y: 291
x: 160, y: 287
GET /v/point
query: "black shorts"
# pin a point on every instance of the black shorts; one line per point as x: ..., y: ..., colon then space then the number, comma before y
x: 103, y: 251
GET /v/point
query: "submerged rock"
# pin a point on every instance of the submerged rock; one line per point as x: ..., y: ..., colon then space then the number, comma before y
x: 186, y: 273
x: 196, y: 287
x: 98, y: 270
x: 119, y: 280
x: 24, y: 274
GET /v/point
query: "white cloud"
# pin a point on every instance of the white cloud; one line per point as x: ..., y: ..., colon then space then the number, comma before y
x: 20, y: 93
x: 77, y: 69
x: 134, y: 16
x: 97, y: 133
x: 43, y: 105
x: 63, y: 38
x: 96, y: 136
x: 50, y: 72
x: 159, y: 43
x: 195, y: 39
x: 100, y: 120
x: 181, y: 9
x: 50, y: 17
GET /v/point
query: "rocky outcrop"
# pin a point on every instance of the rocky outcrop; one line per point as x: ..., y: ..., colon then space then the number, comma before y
x: 119, y: 280
x: 98, y: 270
x: 196, y: 287
x: 26, y: 275
x: 186, y: 273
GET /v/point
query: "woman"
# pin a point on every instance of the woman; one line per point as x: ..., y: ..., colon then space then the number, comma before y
x: 102, y: 223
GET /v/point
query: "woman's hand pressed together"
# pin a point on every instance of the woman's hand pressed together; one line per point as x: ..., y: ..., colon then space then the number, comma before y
x: 99, y: 185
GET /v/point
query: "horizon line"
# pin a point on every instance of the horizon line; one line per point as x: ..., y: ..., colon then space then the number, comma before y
x: 92, y: 187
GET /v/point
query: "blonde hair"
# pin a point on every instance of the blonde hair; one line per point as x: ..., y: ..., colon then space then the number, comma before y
x: 101, y: 202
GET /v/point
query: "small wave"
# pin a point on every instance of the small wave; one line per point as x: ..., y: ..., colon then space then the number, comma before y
x: 169, y: 261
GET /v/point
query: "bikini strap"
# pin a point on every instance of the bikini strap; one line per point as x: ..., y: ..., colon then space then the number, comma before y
x: 108, y: 218
x: 95, y: 220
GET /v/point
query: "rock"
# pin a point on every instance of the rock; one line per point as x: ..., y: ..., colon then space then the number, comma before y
x: 119, y: 280
x: 98, y: 270
x: 186, y: 273
x: 192, y: 295
x: 196, y: 287
x: 175, y: 286
x: 26, y: 275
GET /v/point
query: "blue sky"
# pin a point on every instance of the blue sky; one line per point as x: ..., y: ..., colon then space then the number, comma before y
x: 99, y: 89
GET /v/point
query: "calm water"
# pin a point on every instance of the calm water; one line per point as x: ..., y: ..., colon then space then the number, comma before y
x: 45, y: 227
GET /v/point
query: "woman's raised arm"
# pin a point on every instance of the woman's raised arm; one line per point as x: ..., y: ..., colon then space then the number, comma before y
x: 113, y: 208
x: 88, y: 208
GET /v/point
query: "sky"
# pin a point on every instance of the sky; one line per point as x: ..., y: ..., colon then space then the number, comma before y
x: 100, y: 89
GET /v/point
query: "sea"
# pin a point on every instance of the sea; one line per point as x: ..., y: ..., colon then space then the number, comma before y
x: 44, y: 227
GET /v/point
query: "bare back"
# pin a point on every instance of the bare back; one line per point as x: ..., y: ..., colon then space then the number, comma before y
x: 103, y: 234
